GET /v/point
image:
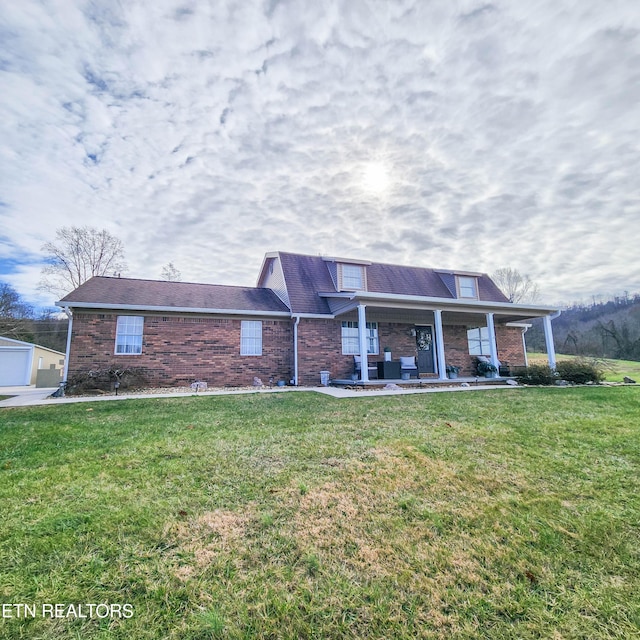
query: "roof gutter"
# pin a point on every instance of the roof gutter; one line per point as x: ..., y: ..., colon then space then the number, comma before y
x: 136, y: 307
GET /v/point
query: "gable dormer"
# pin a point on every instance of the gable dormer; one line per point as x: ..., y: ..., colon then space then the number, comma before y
x: 348, y: 275
x: 467, y: 287
x: 463, y: 285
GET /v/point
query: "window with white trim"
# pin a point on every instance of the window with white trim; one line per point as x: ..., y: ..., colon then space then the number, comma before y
x: 352, y: 277
x: 350, y: 341
x: 129, y: 335
x: 467, y: 287
x: 478, y: 340
x: 251, y: 338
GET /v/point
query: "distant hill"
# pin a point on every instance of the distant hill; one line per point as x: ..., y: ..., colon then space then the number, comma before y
x: 605, y: 330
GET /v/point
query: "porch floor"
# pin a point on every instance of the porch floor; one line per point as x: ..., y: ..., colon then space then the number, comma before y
x: 420, y: 382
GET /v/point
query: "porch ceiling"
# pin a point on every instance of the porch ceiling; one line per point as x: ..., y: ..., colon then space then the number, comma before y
x: 344, y: 302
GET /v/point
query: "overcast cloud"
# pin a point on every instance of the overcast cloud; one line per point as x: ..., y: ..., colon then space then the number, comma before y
x: 446, y: 134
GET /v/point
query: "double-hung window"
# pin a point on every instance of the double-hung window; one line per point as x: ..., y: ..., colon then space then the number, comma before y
x: 251, y: 338
x: 351, y: 342
x: 478, y: 340
x: 467, y: 287
x: 352, y: 277
x: 129, y: 335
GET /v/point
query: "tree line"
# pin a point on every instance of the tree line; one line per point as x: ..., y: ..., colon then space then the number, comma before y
x: 609, y: 329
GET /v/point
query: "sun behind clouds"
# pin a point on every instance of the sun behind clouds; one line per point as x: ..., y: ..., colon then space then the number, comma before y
x: 376, y: 178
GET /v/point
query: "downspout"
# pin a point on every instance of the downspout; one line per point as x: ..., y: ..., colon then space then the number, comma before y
x: 548, y: 338
x: 295, y: 351
x: 524, y: 346
x: 65, y: 372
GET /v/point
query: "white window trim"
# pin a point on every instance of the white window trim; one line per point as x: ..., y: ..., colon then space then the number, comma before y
x: 459, y: 287
x: 251, y: 338
x: 482, y: 342
x: 129, y: 334
x: 350, y: 287
x: 350, y: 338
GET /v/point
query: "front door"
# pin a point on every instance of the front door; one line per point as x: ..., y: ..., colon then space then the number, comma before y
x: 424, y: 345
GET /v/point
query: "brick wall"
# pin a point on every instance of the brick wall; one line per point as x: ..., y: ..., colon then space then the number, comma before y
x: 510, y: 345
x: 508, y: 339
x: 320, y: 347
x: 178, y: 350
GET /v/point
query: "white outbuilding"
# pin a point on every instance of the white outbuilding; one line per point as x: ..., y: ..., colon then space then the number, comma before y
x: 23, y: 363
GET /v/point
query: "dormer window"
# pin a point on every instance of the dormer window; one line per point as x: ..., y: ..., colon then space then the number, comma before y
x: 352, y: 277
x: 467, y: 287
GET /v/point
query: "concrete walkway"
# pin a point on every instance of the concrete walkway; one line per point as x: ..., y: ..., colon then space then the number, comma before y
x: 30, y: 396
x: 25, y: 396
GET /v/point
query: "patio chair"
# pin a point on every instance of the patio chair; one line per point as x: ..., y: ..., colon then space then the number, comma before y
x: 408, y: 365
x: 357, y: 366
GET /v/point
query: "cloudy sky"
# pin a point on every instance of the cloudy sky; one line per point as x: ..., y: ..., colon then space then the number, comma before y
x: 441, y: 133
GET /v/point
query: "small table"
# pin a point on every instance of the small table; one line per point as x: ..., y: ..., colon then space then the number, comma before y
x: 389, y: 370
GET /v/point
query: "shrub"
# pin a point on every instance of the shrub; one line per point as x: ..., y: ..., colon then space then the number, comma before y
x: 105, y: 379
x: 579, y: 371
x: 538, y: 374
x: 485, y: 367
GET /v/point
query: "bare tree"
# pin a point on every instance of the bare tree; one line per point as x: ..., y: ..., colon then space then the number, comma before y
x: 78, y: 254
x: 170, y: 273
x: 515, y: 286
x: 15, y: 314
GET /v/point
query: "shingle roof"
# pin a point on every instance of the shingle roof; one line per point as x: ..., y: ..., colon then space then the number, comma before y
x: 179, y: 295
x: 306, y: 276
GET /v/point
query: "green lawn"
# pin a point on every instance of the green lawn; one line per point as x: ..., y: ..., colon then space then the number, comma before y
x: 614, y: 370
x: 503, y: 514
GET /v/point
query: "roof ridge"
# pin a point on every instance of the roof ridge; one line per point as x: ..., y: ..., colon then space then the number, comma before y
x: 179, y: 282
x: 372, y: 262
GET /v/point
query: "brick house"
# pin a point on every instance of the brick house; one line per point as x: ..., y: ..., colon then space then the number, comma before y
x: 307, y: 314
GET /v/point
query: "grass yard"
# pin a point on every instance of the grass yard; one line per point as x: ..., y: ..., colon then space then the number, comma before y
x: 614, y: 370
x: 504, y: 514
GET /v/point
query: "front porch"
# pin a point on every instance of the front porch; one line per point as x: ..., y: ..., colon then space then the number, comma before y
x: 437, y: 337
x: 431, y: 342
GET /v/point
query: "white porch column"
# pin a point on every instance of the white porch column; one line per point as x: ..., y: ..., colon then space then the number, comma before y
x: 493, y: 348
x: 548, y: 338
x: 362, y: 342
x: 442, y: 366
